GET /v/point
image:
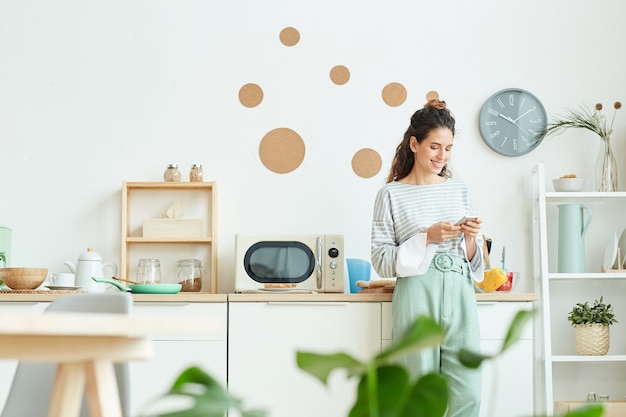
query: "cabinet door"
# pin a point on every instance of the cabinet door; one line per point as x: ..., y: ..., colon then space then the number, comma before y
x: 149, y: 379
x: 154, y: 377
x: 264, y: 339
x: 508, y: 380
x: 8, y: 367
x: 507, y: 388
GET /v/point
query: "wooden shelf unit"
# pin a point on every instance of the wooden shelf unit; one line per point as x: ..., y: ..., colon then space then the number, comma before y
x: 557, y: 366
x: 166, y: 193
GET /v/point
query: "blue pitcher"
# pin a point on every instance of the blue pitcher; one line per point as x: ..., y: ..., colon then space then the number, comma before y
x: 572, y: 228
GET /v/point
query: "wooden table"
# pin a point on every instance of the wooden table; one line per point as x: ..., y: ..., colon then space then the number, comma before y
x: 85, y: 346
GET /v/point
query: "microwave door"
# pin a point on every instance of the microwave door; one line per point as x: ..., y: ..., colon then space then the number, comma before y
x: 320, y: 248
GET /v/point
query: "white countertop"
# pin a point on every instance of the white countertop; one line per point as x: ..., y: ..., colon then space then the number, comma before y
x: 186, y: 297
x: 369, y: 297
x: 199, y: 297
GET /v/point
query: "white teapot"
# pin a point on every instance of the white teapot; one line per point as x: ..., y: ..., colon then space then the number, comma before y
x: 90, y: 265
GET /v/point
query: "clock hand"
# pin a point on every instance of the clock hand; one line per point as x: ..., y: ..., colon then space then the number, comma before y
x: 525, y: 113
x: 508, y: 119
x: 520, y: 128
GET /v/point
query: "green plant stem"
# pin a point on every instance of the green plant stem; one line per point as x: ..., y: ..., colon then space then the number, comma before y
x: 372, y: 385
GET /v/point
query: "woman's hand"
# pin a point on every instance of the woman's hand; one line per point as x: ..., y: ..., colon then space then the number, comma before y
x: 471, y: 229
x: 442, y: 231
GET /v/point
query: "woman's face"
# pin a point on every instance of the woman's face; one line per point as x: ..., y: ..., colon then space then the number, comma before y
x: 434, y: 152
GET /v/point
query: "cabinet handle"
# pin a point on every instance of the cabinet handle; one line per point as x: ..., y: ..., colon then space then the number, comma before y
x: 22, y: 303
x: 311, y: 303
x: 159, y: 304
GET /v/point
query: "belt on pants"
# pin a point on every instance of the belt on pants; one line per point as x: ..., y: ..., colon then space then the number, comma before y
x: 446, y: 263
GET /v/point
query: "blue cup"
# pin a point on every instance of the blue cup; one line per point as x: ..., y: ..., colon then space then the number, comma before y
x: 358, y: 270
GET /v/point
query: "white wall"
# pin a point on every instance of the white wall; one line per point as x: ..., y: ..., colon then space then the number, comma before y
x: 94, y: 93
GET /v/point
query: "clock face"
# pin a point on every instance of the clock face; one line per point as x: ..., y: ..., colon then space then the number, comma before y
x: 512, y: 122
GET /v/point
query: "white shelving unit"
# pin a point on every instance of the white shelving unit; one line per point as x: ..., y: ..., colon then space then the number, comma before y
x: 561, y: 374
x: 142, y: 200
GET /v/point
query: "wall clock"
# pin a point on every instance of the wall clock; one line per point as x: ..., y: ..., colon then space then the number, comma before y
x: 512, y: 122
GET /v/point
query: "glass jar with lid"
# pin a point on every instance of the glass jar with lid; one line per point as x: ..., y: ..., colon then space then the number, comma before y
x: 195, y: 174
x: 189, y: 274
x: 149, y: 271
x: 172, y: 174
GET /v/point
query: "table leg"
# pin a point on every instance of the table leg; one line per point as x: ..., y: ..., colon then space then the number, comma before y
x: 102, y: 391
x: 67, y: 392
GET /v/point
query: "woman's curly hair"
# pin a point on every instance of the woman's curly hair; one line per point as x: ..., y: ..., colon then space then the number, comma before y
x: 434, y: 115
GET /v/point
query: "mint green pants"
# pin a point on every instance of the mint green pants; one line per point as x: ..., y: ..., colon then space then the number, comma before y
x: 445, y: 293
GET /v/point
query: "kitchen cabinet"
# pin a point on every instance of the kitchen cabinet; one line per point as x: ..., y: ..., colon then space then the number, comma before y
x: 8, y: 367
x: 513, y: 369
x: 172, y: 354
x: 263, y: 338
x: 148, y: 201
x: 562, y: 375
x: 253, y: 350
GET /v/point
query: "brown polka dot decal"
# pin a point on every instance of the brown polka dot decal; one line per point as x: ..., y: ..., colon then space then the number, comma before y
x: 366, y: 163
x: 340, y: 74
x: 281, y: 150
x: 250, y: 95
x: 432, y: 95
x: 289, y: 36
x: 394, y: 94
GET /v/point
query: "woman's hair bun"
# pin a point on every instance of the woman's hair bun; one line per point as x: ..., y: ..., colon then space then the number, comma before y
x: 435, y: 103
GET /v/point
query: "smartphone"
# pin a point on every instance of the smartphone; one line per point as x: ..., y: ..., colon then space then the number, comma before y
x: 465, y: 219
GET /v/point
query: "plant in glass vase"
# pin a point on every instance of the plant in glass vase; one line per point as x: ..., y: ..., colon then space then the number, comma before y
x: 595, y: 121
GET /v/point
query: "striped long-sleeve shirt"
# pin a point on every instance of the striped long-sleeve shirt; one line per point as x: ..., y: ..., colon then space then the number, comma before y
x: 402, y: 211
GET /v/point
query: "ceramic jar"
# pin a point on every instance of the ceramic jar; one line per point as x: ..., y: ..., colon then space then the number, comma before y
x: 172, y: 174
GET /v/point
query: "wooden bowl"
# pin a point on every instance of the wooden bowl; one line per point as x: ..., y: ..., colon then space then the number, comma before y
x: 23, y: 278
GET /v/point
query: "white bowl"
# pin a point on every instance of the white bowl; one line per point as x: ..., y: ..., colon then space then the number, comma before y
x: 568, y: 184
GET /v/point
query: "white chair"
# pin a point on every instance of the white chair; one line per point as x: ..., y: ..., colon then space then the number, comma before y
x: 31, y: 389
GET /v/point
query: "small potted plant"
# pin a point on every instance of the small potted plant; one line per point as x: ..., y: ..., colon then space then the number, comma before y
x: 591, y: 323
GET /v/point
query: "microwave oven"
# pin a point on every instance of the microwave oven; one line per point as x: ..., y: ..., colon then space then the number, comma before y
x: 297, y: 263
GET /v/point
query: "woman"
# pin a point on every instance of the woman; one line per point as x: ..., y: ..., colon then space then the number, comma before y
x: 415, y: 238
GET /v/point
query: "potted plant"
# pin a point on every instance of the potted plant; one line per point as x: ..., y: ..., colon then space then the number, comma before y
x: 591, y: 323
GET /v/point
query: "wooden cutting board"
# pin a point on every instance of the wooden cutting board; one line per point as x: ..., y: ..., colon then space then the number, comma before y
x: 377, y: 286
x: 377, y: 290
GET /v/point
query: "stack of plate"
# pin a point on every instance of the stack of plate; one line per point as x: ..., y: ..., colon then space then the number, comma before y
x: 613, y: 246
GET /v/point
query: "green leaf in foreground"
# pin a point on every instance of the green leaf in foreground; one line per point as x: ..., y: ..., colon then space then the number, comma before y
x: 210, y: 399
x: 424, y: 333
x: 474, y: 359
x: 321, y: 366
